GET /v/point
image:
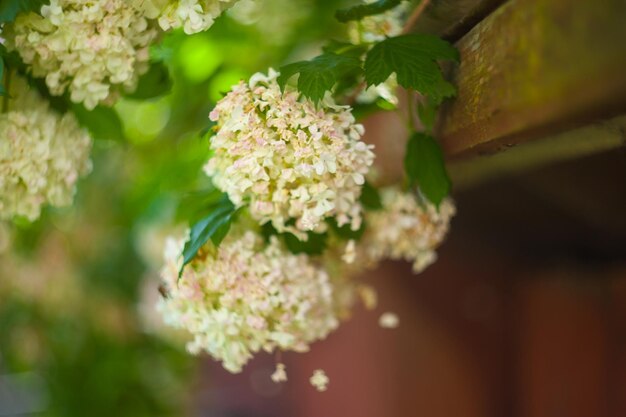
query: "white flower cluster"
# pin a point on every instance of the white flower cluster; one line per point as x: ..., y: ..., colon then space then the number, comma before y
x: 377, y: 28
x: 42, y: 154
x: 319, y: 380
x: 287, y: 159
x: 192, y: 15
x: 94, y: 49
x: 406, y: 229
x: 248, y: 296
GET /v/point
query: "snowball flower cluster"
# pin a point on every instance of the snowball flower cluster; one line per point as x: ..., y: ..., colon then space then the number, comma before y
x: 42, y: 154
x: 94, y: 49
x: 407, y: 228
x: 192, y: 15
x: 292, y: 163
x: 248, y: 296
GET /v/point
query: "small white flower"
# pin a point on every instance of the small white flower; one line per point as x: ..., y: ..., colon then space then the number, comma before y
x: 368, y: 295
x: 192, y: 15
x: 319, y: 380
x: 388, y: 321
x: 350, y: 253
x: 279, y: 374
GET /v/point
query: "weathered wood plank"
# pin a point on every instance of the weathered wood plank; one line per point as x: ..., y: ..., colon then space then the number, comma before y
x: 588, y: 140
x: 451, y: 19
x: 533, y: 68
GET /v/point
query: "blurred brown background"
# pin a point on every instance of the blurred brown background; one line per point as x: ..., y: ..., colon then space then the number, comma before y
x: 524, y: 314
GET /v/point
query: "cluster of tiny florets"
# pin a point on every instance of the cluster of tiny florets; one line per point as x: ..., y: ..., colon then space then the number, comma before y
x: 378, y: 27
x: 93, y: 49
x: 287, y: 159
x: 42, y: 154
x: 192, y: 15
x: 407, y: 228
x: 248, y: 295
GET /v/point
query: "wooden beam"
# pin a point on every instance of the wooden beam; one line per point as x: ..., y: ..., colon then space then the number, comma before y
x: 592, y: 139
x: 534, y: 68
x: 451, y: 19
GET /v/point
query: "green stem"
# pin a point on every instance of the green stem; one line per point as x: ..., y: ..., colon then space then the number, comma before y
x: 411, y: 110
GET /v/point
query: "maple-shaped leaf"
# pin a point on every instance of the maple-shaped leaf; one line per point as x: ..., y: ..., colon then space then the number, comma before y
x: 320, y: 74
x: 414, y: 60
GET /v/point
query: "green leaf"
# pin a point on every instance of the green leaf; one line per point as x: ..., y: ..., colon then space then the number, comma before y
x: 154, y: 83
x: 193, y: 206
x: 424, y: 166
x: 345, y: 48
x: 364, y: 10
x: 208, y: 128
x: 315, y: 244
x: 427, y: 113
x: 370, y: 198
x: 345, y: 232
x: 9, y: 9
x: 319, y: 74
x: 214, y: 226
x: 102, y: 122
x: 414, y: 60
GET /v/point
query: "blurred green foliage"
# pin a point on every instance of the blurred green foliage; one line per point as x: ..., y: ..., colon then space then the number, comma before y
x: 78, y: 286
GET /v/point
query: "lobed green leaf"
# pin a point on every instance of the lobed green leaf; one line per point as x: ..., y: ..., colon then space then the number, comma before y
x: 319, y: 74
x: 413, y: 58
x: 425, y: 167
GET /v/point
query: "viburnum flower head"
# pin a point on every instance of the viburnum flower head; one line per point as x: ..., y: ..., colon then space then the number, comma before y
x: 192, y: 15
x: 248, y: 296
x: 407, y: 228
x: 42, y: 154
x: 293, y: 163
x: 94, y: 49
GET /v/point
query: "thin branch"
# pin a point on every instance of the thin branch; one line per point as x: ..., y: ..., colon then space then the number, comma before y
x: 414, y: 17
